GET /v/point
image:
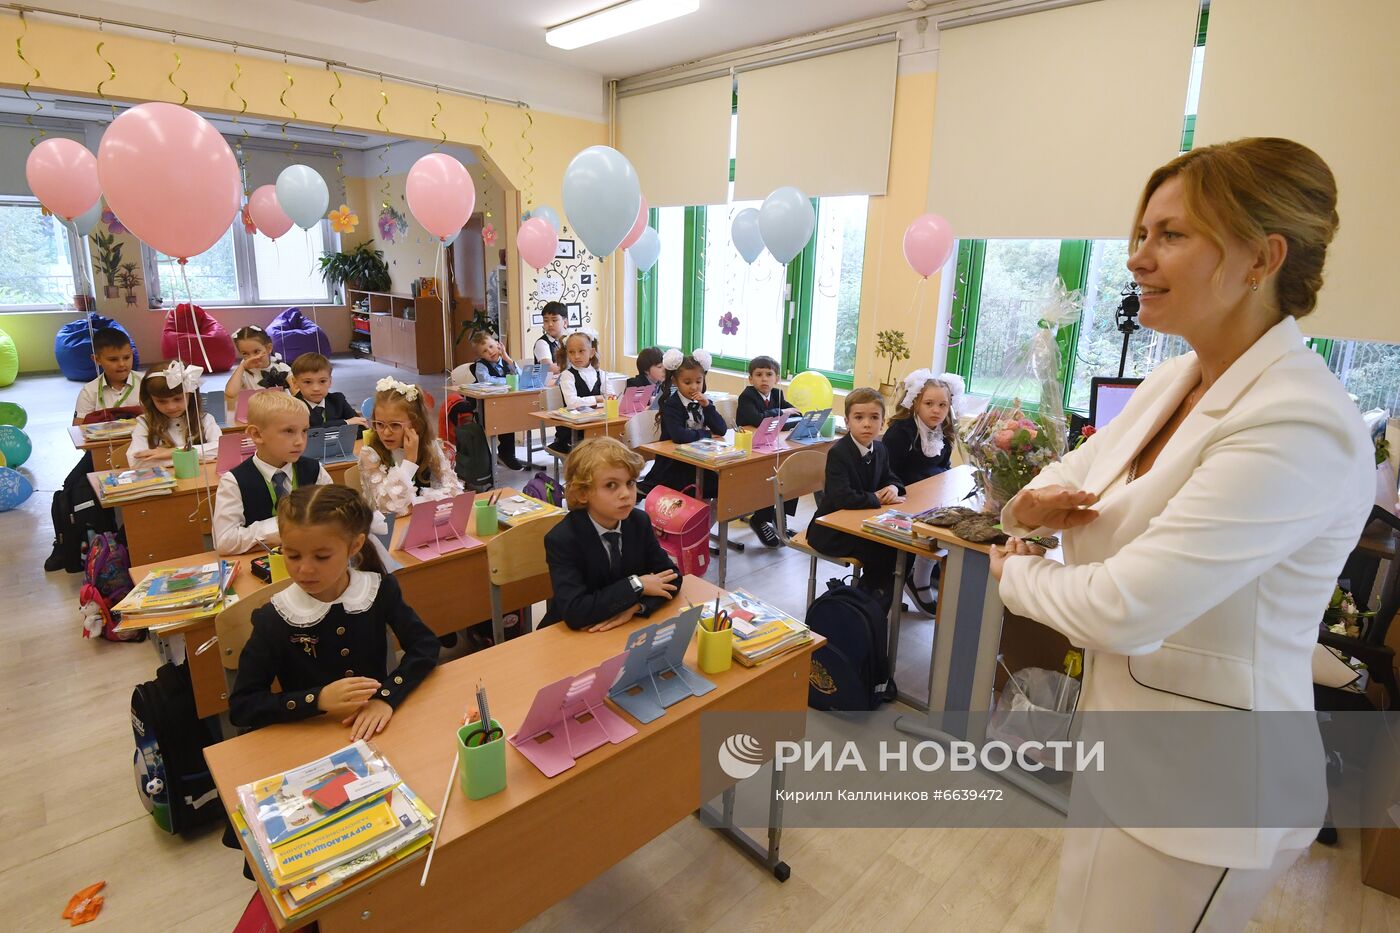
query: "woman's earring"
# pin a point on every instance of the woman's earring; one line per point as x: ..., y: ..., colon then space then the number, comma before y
x: 1254, y: 285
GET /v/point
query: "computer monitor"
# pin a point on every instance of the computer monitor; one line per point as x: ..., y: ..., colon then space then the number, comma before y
x: 1107, y: 397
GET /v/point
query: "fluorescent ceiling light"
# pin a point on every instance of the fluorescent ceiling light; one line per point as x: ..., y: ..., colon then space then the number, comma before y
x: 617, y: 20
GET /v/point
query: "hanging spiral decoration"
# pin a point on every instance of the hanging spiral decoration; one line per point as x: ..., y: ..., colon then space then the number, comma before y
x: 38, y: 107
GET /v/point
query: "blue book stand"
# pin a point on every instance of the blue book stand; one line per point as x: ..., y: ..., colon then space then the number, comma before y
x: 654, y: 675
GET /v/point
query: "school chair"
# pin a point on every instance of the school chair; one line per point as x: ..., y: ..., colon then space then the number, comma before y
x: 513, y: 556
x: 232, y: 629
x: 351, y: 477
x: 798, y: 472
x: 641, y: 428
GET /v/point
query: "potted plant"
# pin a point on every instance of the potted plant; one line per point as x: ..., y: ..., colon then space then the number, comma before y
x: 128, y: 280
x: 361, y: 268
x: 890, y: 344
x: 107, y: 259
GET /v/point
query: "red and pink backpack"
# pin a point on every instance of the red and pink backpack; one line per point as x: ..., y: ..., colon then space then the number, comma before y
x: 682, y: 526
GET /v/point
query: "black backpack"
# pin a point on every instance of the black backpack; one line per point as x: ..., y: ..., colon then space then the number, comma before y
x: 172, y: 779
x: 473, y: 464
x: 851, y: 671
x: 76, y: 512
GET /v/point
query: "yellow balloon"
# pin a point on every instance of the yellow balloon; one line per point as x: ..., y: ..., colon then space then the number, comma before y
x: 2, y: 458
x: 809, y: 391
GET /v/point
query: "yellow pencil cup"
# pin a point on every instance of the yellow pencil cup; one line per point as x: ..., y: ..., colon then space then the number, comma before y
x: 277, y: 566
x: 366, y: 437
x: 610, y: 407
x: 743, y: 440
x: 715, y: 650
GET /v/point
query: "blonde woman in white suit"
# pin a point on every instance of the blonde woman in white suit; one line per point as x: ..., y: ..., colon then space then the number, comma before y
x: 1204, y: 527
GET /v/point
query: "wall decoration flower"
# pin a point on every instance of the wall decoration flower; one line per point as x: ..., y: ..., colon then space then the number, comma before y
x: 488, y: 234
x: 343, y: 221
x: 248, y: 224
x: 392, y: 223
x: 113, y: 224
x: 729, y: 324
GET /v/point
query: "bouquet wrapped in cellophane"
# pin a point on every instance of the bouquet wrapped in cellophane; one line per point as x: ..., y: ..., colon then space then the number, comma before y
x: 1014, y: 438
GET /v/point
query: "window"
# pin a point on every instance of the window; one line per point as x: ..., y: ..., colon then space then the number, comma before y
x: 37, y: 273
x: 246, y: 269
x: 806, y: 316
x: 1369, y: 371
x: 1001, y: 282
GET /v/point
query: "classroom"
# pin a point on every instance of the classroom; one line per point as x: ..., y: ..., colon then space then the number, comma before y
x: 915, y: 463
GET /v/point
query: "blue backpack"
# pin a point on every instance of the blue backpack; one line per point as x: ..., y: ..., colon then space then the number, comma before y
x: 851, y: 671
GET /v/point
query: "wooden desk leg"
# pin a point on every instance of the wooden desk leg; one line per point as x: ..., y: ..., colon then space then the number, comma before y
x: 723, y: 822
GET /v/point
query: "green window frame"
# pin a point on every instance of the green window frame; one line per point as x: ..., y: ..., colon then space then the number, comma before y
x: 797, y: 329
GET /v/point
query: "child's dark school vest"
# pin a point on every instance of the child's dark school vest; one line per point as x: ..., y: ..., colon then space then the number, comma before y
x: 257, y: 492
x: 583, y: 388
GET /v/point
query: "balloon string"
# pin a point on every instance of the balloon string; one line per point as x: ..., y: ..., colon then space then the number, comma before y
x: 440, y: 282
x: 38, y: 107
x: 184, y: 95
x: 198, y: 410
x: 111, y: 70
x: 913, y: 309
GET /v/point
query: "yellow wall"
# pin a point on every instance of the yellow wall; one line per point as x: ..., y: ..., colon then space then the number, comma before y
x: 67, y: 65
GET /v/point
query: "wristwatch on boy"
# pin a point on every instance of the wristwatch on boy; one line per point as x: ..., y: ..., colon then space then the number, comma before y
x: 636, y: 582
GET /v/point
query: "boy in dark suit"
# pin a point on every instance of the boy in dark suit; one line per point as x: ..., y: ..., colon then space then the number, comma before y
x: 605, y: 563
x: 858, y: 476
x: 311, y: 379
x: 761, y: 399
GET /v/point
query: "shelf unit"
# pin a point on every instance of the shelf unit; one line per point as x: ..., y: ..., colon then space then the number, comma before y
x: 398, y: 329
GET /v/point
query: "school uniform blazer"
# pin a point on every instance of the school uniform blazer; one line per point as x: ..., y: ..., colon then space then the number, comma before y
x: 586, y: 591
x: 333, y: 412
x: 751, y: 411
x: 1201, y: 584
x: 675, y: 418
x: 850, y: 484
x: 907, y: 457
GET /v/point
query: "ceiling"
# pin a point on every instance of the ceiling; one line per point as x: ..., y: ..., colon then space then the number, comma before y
x: 718, y: 26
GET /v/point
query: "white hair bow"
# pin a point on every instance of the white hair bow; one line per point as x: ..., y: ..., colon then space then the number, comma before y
x: 703, y: 358
x: 914, y: 384
x: 389, y: 383
x: 178, y: 375
x: 671, y: 360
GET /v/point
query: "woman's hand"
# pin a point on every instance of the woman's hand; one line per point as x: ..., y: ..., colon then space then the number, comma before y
x: 344, y: 698
x: 370, y: 720
x: 410, y: 444
x: 1013, y: 548
x: 659, y: 584
x: 619, y: 619
x: 1055, y: 507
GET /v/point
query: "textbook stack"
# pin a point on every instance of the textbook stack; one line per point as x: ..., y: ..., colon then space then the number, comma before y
x: 892, y: 524
x: 519, y: 509
x: 109, y: 430
x: 177, y: 594
x: 318, y: 829
x: 710, y: 451
x: 580, y: 415
x: 761, y: 632
x: 117, y: 488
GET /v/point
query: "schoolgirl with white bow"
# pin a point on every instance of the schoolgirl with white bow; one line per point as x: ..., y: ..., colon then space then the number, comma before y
x: 581, y: 382
x: 403, y: 462
x: 169, y: 401
x: 686, y: 415
x: 920, y: 442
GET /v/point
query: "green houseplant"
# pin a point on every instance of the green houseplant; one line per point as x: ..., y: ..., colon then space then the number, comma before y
x: 361, y: 268
x: 128, y: 280
x: 107, y: 259
x: 891, y: 345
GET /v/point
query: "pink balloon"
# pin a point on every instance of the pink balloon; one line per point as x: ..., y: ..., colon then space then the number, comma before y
x: 267, y: 214
x: 927, y: 244
x: 170, y: 177
x: 537, y: 242
x: 63, y: 176
x: 440, y: 194
x: 638, y: 226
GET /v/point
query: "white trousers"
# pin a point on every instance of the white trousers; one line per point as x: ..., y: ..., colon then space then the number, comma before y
x: 1110, y: 882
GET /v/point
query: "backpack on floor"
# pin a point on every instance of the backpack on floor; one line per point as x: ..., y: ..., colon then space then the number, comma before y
x: 172, y: 779
x: 545, y: 488
x: 106, y: 580
x: 75, y: 512
x: 473, y: 461
x: 851, y: 671
x: 682, y: 526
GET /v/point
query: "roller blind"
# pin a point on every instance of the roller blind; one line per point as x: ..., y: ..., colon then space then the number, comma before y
x: 264, y: 165
x: 1327, y: 76
x: 822, y: 124
x: 678, y: 141
x: 1048, y: 124
x: 14, y: 150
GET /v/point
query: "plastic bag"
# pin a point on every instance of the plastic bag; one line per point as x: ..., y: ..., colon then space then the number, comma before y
x: 1036, y: 705
x: 1012, y: 440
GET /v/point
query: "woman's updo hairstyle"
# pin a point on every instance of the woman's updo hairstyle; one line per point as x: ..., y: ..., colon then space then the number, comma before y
x: 1250, y: 188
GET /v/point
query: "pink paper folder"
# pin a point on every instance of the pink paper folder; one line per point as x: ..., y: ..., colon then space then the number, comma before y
x: 768, y: 434
x: 234, y: 448
x: 635, y: 399
x: 240, y: 410
x: 574, y: 717
x: 439, y: 526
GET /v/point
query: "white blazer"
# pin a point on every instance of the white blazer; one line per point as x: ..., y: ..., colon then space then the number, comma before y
x: 1201, y: 584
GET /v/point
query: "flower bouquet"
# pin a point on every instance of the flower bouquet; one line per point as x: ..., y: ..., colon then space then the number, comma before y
x: 1012, y: 441
x: 1342, y: 616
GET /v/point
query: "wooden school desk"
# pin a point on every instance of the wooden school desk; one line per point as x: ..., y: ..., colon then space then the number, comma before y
x: 508, y: 413
x: 165, y: 527
x: 106, y: 455
x: 453, y: 591
x: 745, y: 484
x: 612, y: 427
x: 505, y: 858
x: 206, y: 671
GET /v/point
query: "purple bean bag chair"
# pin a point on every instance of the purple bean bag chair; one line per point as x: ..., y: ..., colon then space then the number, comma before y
x: 293, y: 334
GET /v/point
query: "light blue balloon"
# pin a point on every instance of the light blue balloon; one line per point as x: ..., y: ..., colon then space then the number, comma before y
x: 15, y: 445
x: 744, y: 232
x: 550, y: 215
x: 89, y: 218
x: 786, y: 221
x: 303, y: 195
x: 646, y: 250
x: 367, y: 408
x: 14, y: 489
x: 601, y: 198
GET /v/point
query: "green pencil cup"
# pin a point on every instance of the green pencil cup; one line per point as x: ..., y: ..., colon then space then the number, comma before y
x: 715, y: 650
x: 186, y: 463
x: 512, y: 381
x: 487, y: 519
x: 482, y: 767
x: 829, y: 427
